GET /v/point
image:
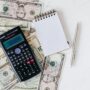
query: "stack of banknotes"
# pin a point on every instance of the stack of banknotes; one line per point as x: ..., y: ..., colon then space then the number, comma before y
x: 21, y: 13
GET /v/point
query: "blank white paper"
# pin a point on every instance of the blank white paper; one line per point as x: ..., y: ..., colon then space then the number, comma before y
x: 51, y: 35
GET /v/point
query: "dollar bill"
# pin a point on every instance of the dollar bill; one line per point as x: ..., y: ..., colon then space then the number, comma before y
x: 34, y: 43
x: 7, y: 24
x: 29, y: 0
x: 36, y: 47
x: 5, y: 29
x: 51, y: 73
x: 6, y: 76
x: 31, y: 84
x: 19, y: 10
x: 22, y: 0
x: 3, y: 58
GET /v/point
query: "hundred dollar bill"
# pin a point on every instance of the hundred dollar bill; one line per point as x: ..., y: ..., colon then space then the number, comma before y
x: 6, y: 77
x: 51, y: 73
x: 19, y: 10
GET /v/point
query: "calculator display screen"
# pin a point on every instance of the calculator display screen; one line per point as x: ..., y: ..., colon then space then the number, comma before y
x: 13, y: 41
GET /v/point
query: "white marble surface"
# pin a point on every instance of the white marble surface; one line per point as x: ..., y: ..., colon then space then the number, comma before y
x: 76, y: 77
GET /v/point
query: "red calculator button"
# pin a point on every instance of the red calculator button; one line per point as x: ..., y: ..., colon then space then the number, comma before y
x: 30, y: 61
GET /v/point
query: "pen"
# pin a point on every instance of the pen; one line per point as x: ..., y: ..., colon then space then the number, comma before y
x: 74, y: 45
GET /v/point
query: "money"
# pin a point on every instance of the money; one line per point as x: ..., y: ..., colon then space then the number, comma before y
x: 32, y: 39
x: 6, y: 76
x: 33, y: 83
x: 5, y: 22
x: 19, y: 10
x: 51, y: 73
x: 34, y: 42
x: 14, y: 82
x: 3, y: 58
x: 13, y: 14
x: 22, y: 0
x: 5, y: 29
x: 29, y: 0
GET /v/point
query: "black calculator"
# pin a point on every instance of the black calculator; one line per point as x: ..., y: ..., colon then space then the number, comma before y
x: 20, y: 54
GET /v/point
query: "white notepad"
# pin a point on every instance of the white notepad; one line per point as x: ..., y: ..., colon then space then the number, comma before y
x: 50, y: 33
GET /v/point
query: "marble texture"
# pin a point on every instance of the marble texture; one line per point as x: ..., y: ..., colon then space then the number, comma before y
x: 76, y: 77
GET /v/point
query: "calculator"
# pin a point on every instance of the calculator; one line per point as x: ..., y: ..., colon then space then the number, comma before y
x: 20, y: 54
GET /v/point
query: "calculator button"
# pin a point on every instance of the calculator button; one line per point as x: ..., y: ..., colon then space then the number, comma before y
x: 30, y: 57
x: 13, y: 55
x: 17, y: 50
x: 29, y: 73
x: 8, y: 53
x: 26, y: 56
x: 21, y: 46
x: 15, y: 58
x: 24, y: 53
x: 10, y: 57
x: 29, y: 54
x: 12, y: 52
x: 26, y: 67
x: 14, y: 65
x: 30, y: 61
x: 26, y: 49
x: 25, y: 45
x: 24, y: 73
x: 17, y: 63
x: 22, y: 57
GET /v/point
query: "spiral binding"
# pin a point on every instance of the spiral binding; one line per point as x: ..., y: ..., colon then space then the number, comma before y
x: 45, y: 15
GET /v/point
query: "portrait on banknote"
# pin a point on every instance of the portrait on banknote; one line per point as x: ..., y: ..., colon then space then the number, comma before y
x: 52, y: 70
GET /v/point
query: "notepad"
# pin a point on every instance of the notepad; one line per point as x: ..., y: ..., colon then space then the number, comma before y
x: 50, y: 33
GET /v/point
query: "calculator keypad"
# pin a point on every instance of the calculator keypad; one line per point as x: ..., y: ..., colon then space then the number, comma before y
x: 23, y: 62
